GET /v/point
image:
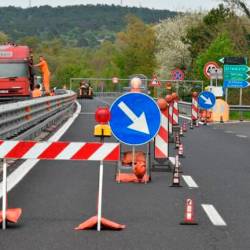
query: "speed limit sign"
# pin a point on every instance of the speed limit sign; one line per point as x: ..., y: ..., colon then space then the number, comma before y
x: 210, y: 67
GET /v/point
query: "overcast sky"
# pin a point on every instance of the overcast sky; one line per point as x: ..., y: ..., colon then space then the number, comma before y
x: 157, y: 4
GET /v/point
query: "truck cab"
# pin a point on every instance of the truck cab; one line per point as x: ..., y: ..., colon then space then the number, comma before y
x: 16, y: 73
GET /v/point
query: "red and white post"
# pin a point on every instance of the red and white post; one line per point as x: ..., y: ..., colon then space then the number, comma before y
x: 162, y: 138
x: 175, y: 111
x: 195, y: 109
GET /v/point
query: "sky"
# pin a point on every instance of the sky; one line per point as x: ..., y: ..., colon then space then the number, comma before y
x: 179, y: 5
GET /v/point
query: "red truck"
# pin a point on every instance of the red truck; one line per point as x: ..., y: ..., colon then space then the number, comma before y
x: 16, y: 73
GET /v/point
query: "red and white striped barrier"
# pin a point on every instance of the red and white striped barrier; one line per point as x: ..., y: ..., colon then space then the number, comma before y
x: 195, y: 109
x: 170, y: 118
x: 90, y: 151
x: 175, y: 112
x: 161, y: 140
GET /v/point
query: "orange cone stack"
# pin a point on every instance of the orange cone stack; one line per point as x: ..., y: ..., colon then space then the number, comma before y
x: 189, y: 218
x: 181, y: 132
x: 197, y: 123
x: 177, y: 141
x: 191, y: 125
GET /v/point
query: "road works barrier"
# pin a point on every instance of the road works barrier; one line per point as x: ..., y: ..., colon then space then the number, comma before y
x: 195, y: 109
x: 82, y: 151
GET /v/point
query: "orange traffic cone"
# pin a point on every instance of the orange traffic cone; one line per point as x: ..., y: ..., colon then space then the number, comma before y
x: 181, y: 150
x: 191, y: 125
x: 221, y: 119
x: 105, y: 223
x: 181, y: 132
x: 189, y: 213
x: 184, y: 126
x: 12, y: 215
x: 176, y: 174
x: 177, y: 141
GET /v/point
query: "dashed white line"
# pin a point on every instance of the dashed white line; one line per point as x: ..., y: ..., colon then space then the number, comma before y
x: 190, y: 181
x: 213, y: 215
x: 229, y: 132
x: 241, y: 136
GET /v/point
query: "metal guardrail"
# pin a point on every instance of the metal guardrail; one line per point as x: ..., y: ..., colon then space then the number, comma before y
x: 24, y: 117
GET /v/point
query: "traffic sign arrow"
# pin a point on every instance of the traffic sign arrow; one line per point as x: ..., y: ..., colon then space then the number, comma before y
x: 235, y: 84
x: 207, y: 100
x: 238, y: 76
x: 222, y: 60
x: 138, y: 123
x: 236, y: 69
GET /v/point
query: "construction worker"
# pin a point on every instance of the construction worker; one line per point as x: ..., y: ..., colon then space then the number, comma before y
x: 37, y: 91
x: 45, y: 73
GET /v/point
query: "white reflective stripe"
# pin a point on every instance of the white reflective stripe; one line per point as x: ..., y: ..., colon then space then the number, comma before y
x: 164, y: 122
x: 6, y: 147
x: 162, y: 145
x: 194, y: 113
x: 176, y: 105
x: 102, y: 152
x: 213, y: 215
x: 175, y: 118
x: 36, y: 150
x: 170, y: 110
x: 69, y: 151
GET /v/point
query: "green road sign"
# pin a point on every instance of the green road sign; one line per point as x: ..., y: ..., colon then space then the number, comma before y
x: 229, y: 75
x: 235, y: 69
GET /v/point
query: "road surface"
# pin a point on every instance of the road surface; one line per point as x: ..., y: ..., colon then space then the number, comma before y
x: 58, y: 195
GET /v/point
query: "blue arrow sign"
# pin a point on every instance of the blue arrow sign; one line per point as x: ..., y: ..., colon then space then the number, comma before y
x: 206, y: 100
x: 135, y: 118
x: 235, y: 84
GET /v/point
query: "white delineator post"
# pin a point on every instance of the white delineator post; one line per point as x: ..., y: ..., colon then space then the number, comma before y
x: 162, y: 138
x: 4, y: 198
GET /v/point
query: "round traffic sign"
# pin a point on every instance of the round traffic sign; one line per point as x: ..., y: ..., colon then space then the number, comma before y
x: 177, y: 74
x: 135, y: 118
x: 206, y: 100
x: 209, y: 67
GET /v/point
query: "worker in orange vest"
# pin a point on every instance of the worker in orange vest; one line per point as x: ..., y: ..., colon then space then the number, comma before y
x: 36, y: 92
x: 45, y: 73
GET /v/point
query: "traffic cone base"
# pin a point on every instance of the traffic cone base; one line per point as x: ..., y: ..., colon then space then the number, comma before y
x: 188, y: 223
x: 12, y: 215
x: 189, y: 214
x: 176, y: 180
x: 105, y: 224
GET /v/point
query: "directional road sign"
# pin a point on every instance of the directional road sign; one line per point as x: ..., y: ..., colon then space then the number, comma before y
x: 235, y: 84
x: 206, y: 100
x: 235, y: 76
x: 135, y: 118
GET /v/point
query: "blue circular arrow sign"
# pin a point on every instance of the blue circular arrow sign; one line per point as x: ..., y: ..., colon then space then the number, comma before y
x: 206, y: 100
x: 135, y: 118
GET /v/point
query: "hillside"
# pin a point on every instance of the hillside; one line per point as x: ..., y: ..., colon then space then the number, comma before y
x: 83, y: 25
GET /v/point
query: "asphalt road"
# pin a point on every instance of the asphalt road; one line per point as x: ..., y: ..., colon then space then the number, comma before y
x: 57, y: 195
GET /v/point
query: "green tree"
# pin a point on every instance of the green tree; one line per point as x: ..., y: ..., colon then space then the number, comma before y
x: 3, y: 38
x: 220, y: 47
x: 136, y: 48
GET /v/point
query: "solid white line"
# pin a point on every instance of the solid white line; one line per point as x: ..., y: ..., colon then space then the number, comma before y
x: 213, y: 215
x: 241, y: 136
x: 190, y: 181
x: 185, y: 117
x: 15, y: 177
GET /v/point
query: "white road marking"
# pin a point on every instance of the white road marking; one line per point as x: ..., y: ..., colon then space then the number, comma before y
x: 241, y: 136
x: 213, y: 215
x: 190, y: 181
x: 229, y: 132
x: 15, y: 177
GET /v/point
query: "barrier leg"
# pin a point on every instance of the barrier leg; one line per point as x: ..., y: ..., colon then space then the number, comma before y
x: 4, y: 200
x: 99, y: 213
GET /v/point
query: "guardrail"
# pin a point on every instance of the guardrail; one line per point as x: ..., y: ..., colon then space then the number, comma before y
x: 108, y: 94
x: 24, y: 117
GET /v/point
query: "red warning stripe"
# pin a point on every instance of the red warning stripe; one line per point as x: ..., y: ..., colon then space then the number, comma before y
x: 163, y: 133
x: 86, y: 151
x: 20, y: 149
x: 53, y: 150
x: 114, y: 155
